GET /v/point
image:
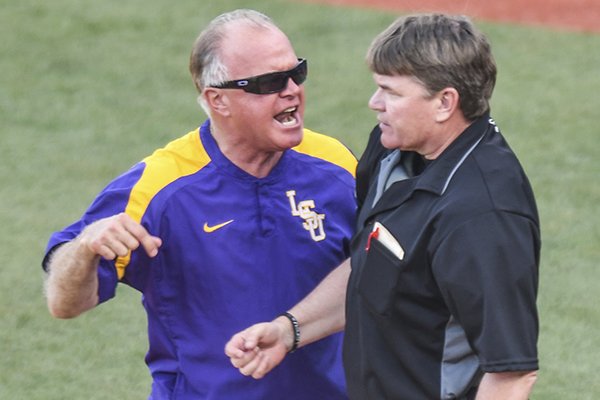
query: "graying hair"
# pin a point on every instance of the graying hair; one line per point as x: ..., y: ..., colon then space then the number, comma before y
x: 206, y: 65
x: 440, y: 51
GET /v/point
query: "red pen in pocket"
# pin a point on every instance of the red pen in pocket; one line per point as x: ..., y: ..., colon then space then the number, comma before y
x: 387, y: 240
x: 374, y: 234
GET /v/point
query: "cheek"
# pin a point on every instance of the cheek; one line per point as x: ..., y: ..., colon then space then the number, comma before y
x: 257, y: 109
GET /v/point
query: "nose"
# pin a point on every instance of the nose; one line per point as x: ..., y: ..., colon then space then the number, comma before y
x: 375, y: 102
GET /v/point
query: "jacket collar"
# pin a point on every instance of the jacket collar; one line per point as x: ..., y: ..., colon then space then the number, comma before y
x: 437, y: 176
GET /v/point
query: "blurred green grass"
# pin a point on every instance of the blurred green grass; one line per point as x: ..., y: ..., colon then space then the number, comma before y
x: 88, y: 88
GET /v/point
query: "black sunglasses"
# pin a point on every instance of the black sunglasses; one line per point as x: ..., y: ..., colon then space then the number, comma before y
x: 273, y: 82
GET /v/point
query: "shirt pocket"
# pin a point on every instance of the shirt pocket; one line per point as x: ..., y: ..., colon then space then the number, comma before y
x: 379, y: 278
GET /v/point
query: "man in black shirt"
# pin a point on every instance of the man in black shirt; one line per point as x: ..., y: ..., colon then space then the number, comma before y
x: 440, y: 296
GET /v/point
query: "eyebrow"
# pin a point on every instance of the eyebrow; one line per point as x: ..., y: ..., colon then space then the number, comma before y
x: 389, y: 89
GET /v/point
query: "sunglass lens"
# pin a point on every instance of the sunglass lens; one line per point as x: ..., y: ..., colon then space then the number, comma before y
x: 277, y: 81
x: 272, y: 83
x: 298, y: 74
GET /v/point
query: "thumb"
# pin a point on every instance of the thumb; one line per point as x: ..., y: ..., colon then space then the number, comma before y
x: 235, y: 347
x: 253, y: 336
x: 243, y: 342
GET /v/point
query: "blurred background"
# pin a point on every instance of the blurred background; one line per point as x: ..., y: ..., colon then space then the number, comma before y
x: 88, y: 88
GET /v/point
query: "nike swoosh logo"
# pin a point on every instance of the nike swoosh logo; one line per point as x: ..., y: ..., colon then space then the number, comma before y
x: 209, y: 229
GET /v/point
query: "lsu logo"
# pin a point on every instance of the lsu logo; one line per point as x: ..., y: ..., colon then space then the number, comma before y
x: 313, y: 222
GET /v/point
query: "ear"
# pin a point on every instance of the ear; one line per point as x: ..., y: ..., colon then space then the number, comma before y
x: 216, y: 101
x: 448, y: 104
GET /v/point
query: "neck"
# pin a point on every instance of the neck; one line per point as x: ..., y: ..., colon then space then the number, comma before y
x: 449, y: 131
x: 245, y: 155
x: 258, y: 165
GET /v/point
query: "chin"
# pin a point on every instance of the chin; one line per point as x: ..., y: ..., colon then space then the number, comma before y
x: 295, y: 141
x: 388, y: 142
x: 290, y: 139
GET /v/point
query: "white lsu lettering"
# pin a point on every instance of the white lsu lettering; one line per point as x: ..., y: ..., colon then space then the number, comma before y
x: 313, y: 222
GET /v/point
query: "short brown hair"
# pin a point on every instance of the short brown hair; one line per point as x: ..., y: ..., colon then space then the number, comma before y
x: 440, y: 51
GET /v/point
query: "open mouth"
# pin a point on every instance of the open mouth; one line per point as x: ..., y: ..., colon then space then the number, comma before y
x: 287, y: 117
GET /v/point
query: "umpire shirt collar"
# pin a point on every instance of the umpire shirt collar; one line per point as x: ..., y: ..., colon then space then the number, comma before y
x: 438, y: 174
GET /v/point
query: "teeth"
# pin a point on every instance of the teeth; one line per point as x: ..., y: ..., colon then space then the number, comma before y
x: 289, y: 120
x: 286, y: 117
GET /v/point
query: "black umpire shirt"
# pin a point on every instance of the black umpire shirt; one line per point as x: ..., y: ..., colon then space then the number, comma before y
x: 444, y: 272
